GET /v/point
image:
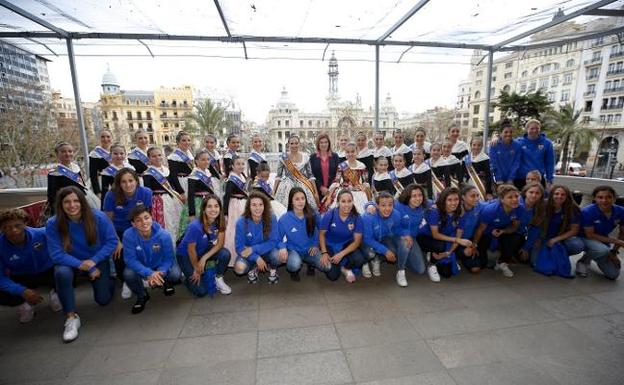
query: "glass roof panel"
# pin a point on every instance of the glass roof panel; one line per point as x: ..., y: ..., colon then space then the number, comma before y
x: 182, y: 17
x: 357, y: 19
x: 12, y: 22
x: 481, y: 21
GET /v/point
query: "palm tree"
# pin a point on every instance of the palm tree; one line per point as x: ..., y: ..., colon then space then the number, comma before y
x: 565, y: 124
x: 207, y: 117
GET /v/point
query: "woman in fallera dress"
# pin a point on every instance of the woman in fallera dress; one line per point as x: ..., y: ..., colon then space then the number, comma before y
x: 138, y: 156
x: 381, y: 178
x: 118, y: 161
x: 234, y: 203
x: 401, y: 175
x: 67, y: 173
x: 99, y: 158
x: 256, y: 156
x: 365, y: 154
x: 166, y: 202
x: 294, y: 170
x: 200, y: 183
x: 353, y: 176
x: 422, y: 172
x: 181, y: 164
x: 233, y: 144
x: 477, y: 169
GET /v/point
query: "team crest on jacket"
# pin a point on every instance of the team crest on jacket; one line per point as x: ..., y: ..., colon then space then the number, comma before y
x: 156, y: 247
x: 540, y: 147
x: 351, y: 226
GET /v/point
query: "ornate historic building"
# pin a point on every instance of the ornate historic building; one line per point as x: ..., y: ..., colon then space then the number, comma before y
x: 162, y: 112
x: 340, y: 117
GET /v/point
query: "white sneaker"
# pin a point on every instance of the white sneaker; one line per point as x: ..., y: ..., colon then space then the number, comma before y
x: 25, y: 313
x: 400, y: 278
x: 433, y: 273
x: 366, y: 271
x: 126, y: 293
x: 581, y: 269
x: 349, y: 276
x: 504, y: 268
x: 222, y: 286
x: 376, y: 263
x: 71, y: 329
x: 54, y: 302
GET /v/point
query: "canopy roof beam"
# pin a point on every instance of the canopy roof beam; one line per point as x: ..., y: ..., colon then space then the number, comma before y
x: 606, y: 12
x: 22, y: 12
x: 553, y: 23
x: 405, y: 18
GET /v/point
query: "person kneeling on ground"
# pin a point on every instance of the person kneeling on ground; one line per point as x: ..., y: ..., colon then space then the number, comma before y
x: 149, y: 254
x: 24, y: 265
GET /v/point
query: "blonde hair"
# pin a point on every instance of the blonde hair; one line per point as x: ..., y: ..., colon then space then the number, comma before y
x: 532, y: 121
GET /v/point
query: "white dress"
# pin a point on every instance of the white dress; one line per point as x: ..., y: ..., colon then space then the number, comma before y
x: 349, y: 178
x: 288, y: 180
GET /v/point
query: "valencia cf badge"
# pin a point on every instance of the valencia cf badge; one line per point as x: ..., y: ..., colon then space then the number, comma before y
x: 351, y: 226
x: 156, y: 247
x: 540, y: 147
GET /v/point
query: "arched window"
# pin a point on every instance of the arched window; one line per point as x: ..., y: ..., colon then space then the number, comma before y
x: 506, y: 88
x: 477, y: 94
x: 570, y: 63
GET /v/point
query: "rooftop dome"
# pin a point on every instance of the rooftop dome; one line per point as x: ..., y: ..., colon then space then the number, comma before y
x: 109, y: 78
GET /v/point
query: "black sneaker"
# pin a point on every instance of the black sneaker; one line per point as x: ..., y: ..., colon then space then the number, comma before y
x: 168, y: 288
x: 139, y: 306
x: 311, y: 271
x: 294, y: 276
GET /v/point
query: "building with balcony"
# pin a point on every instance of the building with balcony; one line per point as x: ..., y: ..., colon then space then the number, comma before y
x: 161, y: 112
x: 587, y: 74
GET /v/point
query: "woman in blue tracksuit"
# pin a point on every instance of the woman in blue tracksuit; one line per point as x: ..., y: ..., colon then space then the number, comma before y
x: 536, y: 153
x: 599, y: 221
x: 505, y: 157
x: 442, y: 234
x: 412, y: 205
x: 340, y: 237
x: 299, y: 235
x: 80, y: 241
x: 561, y: 223
x: 384, y: 235
x: 498, y: 228
x: 125, y: 194
x: 25, y: 265
x: 532, y: 219
x: 256, y: 239
x: 202, y: 250
x: 472, y: 206
x: 149, y: 255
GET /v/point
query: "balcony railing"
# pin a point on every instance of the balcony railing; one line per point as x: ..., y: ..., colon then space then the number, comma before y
x: 593, y: 61
x: 592, y: 77
x: 616, y: 71
x: 613, y: 90
x: 589, y: 93
x: 612, y: 107
x: 616, y: 54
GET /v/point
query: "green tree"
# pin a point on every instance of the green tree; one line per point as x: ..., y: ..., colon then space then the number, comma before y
x: 518, y: 108
x: 207, y: 118
x: 566, y: 125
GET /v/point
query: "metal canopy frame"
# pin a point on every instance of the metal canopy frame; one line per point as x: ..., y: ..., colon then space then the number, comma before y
x: 69, y: 36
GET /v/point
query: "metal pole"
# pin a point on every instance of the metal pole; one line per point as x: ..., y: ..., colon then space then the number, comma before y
x: 488, y: 92
x: 376, y: 88
x: 81, y: 124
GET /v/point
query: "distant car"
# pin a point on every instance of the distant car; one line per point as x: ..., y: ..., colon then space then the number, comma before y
x: 574, y: 169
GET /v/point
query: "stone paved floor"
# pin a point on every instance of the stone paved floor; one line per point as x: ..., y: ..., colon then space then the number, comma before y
x: 468, y: 330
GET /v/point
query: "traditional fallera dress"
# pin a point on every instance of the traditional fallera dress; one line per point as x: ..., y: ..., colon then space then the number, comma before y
x: 200, y: 184
x: 341, y: 155
x: 422, y: 176
x: 439, y: 174
x: 166, y: 207
x: 454, y: 170
x: 404, y: 150
x: 353, y: 179
x: 460, y: 149
x: 63, y: 176
x: 401, y: 179
x: 382, y: 182
x: 108, y: 177
x: 478, y: 173
x: 227, y: 161
x: 426, y: 147
x: 180, y: 166
x: 366, y: 156
x: 291, y: 174
x: 255, y: 158
x: 138, y: 159
x: 263, y: 186
x: 99, y: 158
x: 234, y: 202
x: 216, y: 172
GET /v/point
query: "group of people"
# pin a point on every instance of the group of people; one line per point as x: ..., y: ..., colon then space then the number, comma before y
x: 429, y: 207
